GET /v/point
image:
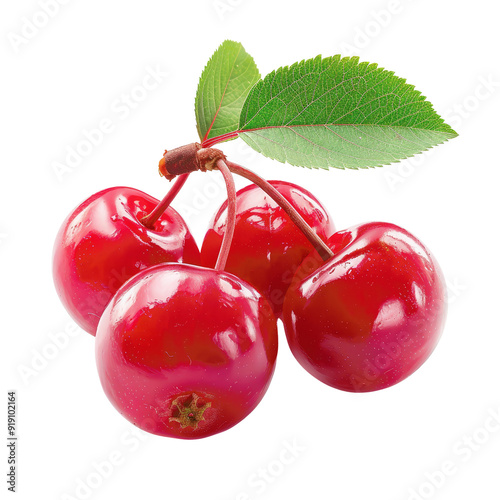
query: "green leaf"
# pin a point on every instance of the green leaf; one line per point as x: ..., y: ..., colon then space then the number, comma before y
x: 222, y: 90
x: 338, y: 112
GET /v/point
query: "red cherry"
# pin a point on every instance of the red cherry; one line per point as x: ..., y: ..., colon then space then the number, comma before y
x: 186, y: 352
x: 103, y: 243
x: 267, y: 246
x: 371, y: 315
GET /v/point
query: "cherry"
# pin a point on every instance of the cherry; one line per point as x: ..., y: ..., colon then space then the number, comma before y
x: 267, y: 246
x: 372, y: 314
x: 186, y: 352
x: 103, y: 243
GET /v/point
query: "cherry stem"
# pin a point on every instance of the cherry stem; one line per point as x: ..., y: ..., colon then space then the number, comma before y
x: 231, y: 215
x: 150, y: 220
x: 320, y: 246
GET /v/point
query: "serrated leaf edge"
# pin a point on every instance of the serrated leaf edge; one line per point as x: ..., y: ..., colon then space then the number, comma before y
x: 354, y: 60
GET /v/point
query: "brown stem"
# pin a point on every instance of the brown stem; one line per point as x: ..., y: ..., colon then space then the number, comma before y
x: 181, y: 161
x: 231, y: 215
x: 188, y: 158
x: 150, y: 220
x: 320, y: 246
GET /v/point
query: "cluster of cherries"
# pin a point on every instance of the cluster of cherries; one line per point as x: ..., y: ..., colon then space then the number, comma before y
x: 186, y: 341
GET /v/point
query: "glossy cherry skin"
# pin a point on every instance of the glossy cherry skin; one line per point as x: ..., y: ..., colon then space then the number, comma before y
x: 267, y: 247
x: 372, y: 314
x: 184, y: 351
x: 103, y: 243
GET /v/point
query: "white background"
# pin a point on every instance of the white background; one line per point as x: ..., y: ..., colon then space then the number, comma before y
x: 72, y: 73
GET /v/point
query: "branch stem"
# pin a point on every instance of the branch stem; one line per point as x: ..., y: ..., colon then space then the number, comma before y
x: 150, y: 220
x: 231, y: 215
x: 320, y: 246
